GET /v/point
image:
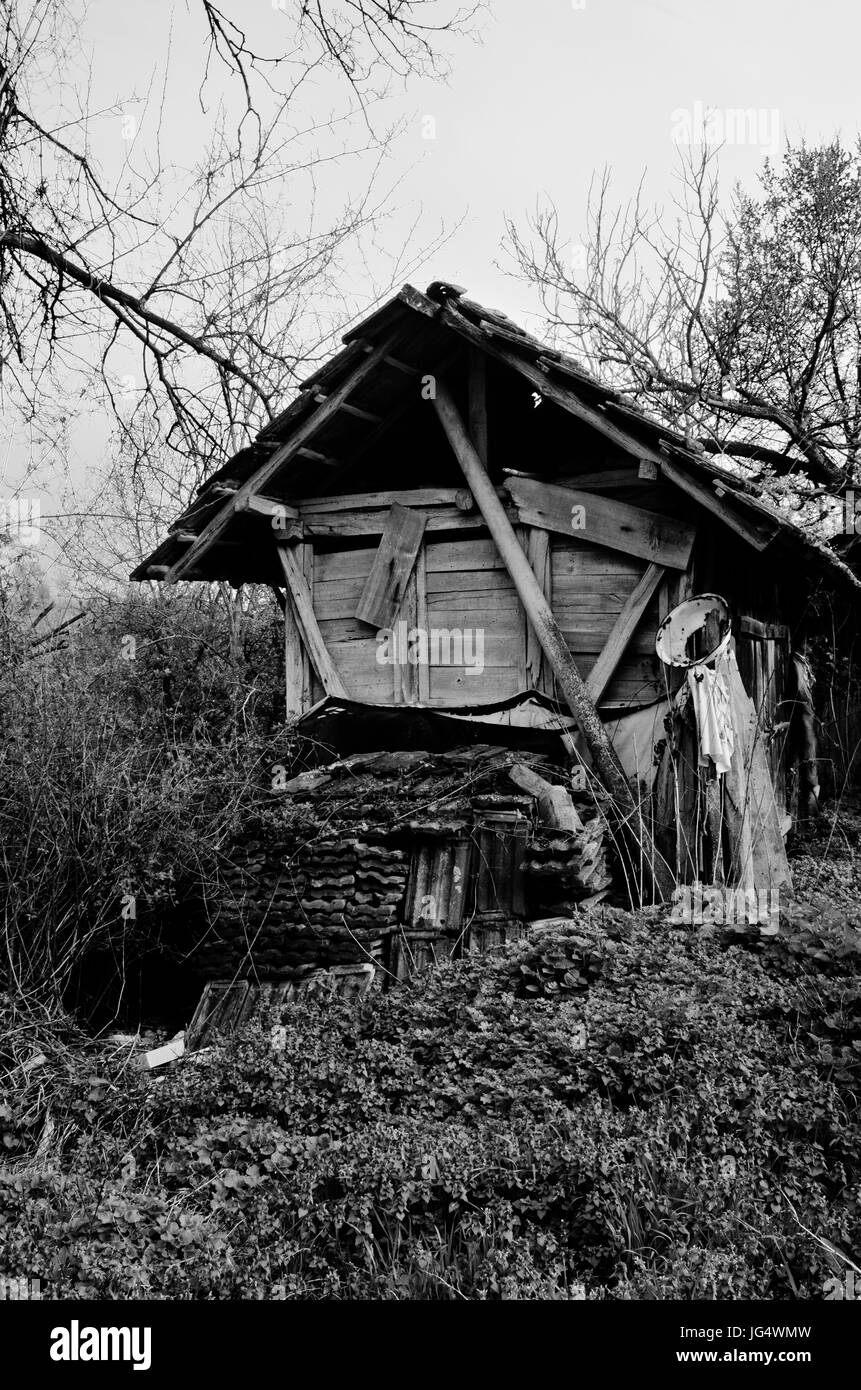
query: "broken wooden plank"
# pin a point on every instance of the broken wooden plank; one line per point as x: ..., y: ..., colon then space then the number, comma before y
x: 757, y: 534
x: 555, y: 805
x: 757, y: 852
x: 392, y: 567
x: 595, y: 519
x: 623, y: 631
x: 303, y: 606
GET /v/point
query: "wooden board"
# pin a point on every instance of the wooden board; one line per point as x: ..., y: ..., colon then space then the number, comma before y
x: 331, y: 525
x: 468, y: 555
x: 623, y: 631
x: 371, y: 501
x: 450, y: 685
x: 392, y: 567
x: 616, y: 525
x: 577, y: 560
x: 303, y: 605
x: 343, y: 564
x: 499, y: 587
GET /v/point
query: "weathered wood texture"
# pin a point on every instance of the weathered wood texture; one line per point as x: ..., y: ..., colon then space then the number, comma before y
x: 464, y: 586
x: 298, y: 668
x: 603, y: 521
x: 393, y: 564
x: 623, y: 630
x: 299, y: 594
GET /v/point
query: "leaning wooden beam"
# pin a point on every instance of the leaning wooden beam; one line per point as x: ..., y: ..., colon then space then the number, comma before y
x: 623, y: 630
x: 757, y: 534
x: 258, y: 480
x: 303, y: 607
x: 552, y: 641
x: 587, y: 516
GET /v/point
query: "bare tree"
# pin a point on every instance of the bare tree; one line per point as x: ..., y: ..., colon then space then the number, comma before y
x: 190, y: 301
x: 740, y: 324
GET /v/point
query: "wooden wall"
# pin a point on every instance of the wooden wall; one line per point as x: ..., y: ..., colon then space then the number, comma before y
x: 461, y: 583
x: 590, y: 585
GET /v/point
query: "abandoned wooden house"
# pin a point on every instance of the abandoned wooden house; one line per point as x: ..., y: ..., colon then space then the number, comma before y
x: 486, y: 561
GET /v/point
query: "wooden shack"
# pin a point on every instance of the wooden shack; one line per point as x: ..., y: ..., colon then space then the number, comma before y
x: 467, y: 527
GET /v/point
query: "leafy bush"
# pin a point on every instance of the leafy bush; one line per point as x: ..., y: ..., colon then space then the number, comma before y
x: 457, y: 1139
x: 127, y: 762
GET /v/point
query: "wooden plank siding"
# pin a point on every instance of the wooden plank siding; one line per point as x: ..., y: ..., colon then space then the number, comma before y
x: 462, y: 584
x: 591, y: 585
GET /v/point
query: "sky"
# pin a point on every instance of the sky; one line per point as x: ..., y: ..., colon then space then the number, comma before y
x: 551, y: 93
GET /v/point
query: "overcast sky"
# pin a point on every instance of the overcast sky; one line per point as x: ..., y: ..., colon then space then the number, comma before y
x: 554, y: 91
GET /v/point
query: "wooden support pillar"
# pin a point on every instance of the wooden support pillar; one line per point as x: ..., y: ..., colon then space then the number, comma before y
x: 478, y: 402
x: 538, y: 674
x: 808, y: 766
x: 540, y: 614
x: 293, y: 662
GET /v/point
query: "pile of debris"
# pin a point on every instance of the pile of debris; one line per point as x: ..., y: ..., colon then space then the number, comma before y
x: 400, y: 858
x: 576, y: 867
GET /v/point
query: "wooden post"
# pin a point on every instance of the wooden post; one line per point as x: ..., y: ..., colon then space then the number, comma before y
x: 303, y: 606
x: 808, y: 767
x: 551, y: 638
x: 293, y: 662
x: 478, y: 402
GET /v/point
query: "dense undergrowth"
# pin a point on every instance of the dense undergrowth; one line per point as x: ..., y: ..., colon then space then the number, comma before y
x: 620, y: 1109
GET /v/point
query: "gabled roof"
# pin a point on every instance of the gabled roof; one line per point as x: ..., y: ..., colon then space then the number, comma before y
x: 346, y: 406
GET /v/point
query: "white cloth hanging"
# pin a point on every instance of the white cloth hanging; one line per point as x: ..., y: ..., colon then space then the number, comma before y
x: 713, y: 712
